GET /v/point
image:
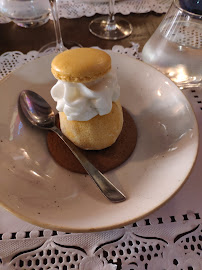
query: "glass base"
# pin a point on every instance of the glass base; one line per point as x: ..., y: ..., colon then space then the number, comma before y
x: 51, y: 47
x: 102, y: 28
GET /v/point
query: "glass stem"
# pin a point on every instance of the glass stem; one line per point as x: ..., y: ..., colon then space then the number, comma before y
x: 111, y: 24
x: 111, y: 11
x: 59, y: 43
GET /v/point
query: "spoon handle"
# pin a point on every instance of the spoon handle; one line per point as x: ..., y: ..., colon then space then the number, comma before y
x: 107, y: 188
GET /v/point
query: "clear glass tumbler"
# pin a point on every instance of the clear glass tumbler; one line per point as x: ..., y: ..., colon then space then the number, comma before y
x: 175, y: 48
x: 26, y: 13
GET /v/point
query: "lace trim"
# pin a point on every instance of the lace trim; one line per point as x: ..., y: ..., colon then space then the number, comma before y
x: 142, y: 223
x: 127, y: 249
x: 75, y: 9
x: 9, y: 61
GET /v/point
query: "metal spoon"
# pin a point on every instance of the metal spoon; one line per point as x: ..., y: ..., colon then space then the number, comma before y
x: 41, y: 115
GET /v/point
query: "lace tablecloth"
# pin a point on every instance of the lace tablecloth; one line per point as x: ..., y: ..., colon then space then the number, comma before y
x: 170, y: 238
x: 79, y: 8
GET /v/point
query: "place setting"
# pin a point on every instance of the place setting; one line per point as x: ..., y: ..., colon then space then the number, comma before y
x: 155, y: 158
x: 100, y: 149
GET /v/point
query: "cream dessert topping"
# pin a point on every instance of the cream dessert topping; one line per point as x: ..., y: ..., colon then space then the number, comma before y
x: 83, y: 101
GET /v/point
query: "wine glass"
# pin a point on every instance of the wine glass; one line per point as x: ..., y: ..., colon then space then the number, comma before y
x: 57, y: 45
x: 109, y: 27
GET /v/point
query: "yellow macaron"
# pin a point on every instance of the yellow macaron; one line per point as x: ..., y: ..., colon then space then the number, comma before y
x: 80, y: 65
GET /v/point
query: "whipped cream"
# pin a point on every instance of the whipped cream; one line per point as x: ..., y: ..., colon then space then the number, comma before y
x: 83, y: 101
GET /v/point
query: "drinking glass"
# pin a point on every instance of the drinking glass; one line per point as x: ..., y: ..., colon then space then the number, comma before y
x: 175, y: 48
x: 57, y: 45
x: 26, y: 13
x: 33, y: 13
x: 110, y: 27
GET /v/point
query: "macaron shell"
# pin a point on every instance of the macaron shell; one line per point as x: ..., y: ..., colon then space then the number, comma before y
x: 81, y: 65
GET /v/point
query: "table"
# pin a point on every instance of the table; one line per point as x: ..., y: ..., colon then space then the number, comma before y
x: 25, y: 40
x: 170, y: 238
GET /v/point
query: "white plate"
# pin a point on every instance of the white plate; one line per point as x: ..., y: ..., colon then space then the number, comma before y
x: 36, y: 189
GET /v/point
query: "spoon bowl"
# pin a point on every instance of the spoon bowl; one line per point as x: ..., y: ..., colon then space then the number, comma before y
x: 37, y: 110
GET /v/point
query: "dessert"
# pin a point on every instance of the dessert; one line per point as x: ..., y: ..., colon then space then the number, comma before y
x: 87, y: 95
x: 90, y: 114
